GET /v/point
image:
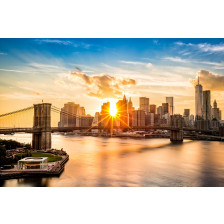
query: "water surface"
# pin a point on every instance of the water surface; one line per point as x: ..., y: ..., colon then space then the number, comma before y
x: 115, y: 162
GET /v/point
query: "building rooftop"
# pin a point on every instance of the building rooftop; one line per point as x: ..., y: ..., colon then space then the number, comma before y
x: 33, y: 159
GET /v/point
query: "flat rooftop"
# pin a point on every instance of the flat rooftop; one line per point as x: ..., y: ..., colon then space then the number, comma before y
x: 33, y: 159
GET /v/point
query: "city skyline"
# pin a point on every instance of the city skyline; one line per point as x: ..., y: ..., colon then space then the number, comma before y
x: 93, y: 71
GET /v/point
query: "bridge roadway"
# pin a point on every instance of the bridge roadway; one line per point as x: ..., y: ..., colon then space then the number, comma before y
x: 69, y: 129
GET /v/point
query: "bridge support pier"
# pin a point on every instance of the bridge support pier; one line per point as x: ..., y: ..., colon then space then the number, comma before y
x: 42, y: 121
x: 176, y: 122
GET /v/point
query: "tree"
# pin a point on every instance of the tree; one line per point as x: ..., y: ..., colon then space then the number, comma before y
x: 2, y: 155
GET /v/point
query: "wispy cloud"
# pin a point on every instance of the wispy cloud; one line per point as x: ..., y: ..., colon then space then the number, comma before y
x: 63, y: 42
x: 148, y: 65
x: 53, y: 41
x: 204, y: 47
x: 9, y: 70
x: 175, y: 59
x: 3, y: 53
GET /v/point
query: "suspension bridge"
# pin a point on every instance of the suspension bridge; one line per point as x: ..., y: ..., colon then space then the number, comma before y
x: 42, y: 129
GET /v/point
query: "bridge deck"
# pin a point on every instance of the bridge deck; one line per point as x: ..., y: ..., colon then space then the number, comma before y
x: 69, y: 129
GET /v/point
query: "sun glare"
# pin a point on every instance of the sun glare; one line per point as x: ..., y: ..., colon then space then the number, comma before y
x: 113, y: 109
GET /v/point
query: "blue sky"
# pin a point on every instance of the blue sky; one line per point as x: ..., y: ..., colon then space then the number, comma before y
x: 85, y: 70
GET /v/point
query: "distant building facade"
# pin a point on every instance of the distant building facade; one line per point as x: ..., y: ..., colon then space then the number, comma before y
x: 169, y: 100
x: 206, y: 105
x: 138, y: 118
x: 144, y: 104
x: 198, y: 100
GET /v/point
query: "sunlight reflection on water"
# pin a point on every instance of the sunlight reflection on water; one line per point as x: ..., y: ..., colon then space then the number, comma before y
x: 132, y: 162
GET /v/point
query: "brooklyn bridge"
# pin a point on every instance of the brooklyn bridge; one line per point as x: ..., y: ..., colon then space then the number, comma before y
x: 42, y: 129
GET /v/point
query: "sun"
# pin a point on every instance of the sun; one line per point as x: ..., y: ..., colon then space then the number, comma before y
x: 113, y: 109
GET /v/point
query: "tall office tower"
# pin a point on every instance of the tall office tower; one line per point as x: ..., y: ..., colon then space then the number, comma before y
x: 130, y: 109
x: 122, y: 112
x: 152, y: 108
x: 206, y: 109
x: 96, y: 119
x: 86, y: 121
x: 138, y: 118
x: 159, y: 111
x: 169, y: 100
x: 82, y: 111
x: 68, y: 115
x: 165, y: 108
x: 198, y: 100
x: 104, y: 116
x: 215, y: 111
x: 191, y: 118
x: 149, y: 119
x: 220, y: 115
x: 144, y: 104
x: 186, y: 112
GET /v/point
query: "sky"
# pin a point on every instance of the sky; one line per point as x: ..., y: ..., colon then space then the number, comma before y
x: 91, y: 71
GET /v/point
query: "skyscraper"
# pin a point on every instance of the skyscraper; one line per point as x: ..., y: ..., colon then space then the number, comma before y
x: 144, y: 104
x: 153, y: 108
x: 68, y: 115
x: 165, y: 108
x: 206, y: 109
x: 186, y: 112
x: 169, y: 100
x: 138, y: 118
x: 215, y: 111
x: 122, y: 112
x: 198, y: 100
x: 130, y: 109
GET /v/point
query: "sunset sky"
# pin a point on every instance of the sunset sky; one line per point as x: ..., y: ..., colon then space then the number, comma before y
x: 90, y: 71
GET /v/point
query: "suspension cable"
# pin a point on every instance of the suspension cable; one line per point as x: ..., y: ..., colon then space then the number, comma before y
x: 17, y: 111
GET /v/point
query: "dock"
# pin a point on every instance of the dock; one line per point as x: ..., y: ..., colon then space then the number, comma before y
x: 53, y: 169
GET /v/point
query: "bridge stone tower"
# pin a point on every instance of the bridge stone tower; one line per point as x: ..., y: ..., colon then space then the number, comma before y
x: 42, y: 127
x: 177, y: 121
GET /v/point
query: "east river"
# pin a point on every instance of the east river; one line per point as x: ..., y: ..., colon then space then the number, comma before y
x: 126, y: 162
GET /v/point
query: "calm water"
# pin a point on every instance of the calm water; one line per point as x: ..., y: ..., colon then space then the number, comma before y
x: 131, y: 162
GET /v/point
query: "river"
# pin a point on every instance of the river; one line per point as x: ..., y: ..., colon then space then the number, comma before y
x: 126, y: 162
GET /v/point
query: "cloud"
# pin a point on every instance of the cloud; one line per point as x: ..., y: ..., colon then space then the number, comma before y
x: 148, y: 65
x: 204, y: 47
x: 209, y: 80
x: 3, y: 53
x: 133, y: 62
x: 53, y: 41
x: 103, y: 86
x: 63, y: 42
x: 36, y: 93
x: 175, y: 59
x: 9, y: 70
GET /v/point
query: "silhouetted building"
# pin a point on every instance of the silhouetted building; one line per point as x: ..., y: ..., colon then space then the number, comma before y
x: 206, y: 111
x: 198, y: 100
x: 152, y: 108
x: 186, y: 112
x: 159, y: 111
x: 165, y: 108
x: 215, y: 111
x: 130, y: 109
x: 122, y: 112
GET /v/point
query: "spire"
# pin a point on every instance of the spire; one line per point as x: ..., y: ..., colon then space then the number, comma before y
x: 130, y: 99
x: 124, y: 98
